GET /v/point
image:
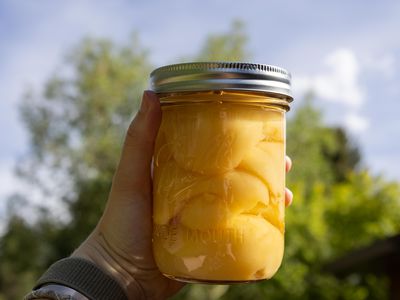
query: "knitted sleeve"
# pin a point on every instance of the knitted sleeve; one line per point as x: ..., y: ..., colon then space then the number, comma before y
x: 76, y: 279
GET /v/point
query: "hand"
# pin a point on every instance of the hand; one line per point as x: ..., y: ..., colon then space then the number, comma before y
x: 121, y: 244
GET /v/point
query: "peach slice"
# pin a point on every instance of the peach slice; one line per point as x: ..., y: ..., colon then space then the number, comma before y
x: 213, y: 139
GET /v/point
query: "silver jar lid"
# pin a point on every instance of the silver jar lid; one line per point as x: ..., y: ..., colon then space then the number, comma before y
x: 206, y: 76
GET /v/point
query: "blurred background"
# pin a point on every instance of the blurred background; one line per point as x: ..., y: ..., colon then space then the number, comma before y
x: 71, y: 77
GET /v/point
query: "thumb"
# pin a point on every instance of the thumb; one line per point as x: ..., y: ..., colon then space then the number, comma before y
x: 133, y: 172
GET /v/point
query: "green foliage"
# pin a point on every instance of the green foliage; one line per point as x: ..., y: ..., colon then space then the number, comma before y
x: 24, y: 250
x: 78, y: 123
x: 323, y: 153
x: 230, y: 46
x: 76, y: 128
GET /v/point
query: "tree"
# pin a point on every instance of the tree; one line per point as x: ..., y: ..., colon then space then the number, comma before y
x: 76, y: 129
x: 324, y: 153
x: 76, y: 126
x: 230, y: 46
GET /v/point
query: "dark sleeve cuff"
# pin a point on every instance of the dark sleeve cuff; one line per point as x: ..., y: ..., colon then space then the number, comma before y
x: 84, y: 277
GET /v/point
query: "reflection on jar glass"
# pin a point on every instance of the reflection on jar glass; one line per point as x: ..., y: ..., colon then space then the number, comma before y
x: 219, y: 171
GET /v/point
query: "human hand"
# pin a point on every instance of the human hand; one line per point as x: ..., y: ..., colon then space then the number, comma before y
x: 121, y: 244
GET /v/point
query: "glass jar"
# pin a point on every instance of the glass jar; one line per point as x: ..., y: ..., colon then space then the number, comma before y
x: 219, y: 171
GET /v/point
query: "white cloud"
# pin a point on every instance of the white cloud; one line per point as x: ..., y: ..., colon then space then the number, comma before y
x: 355, y: 122
x: 338, y: 82
x: 383, y: 64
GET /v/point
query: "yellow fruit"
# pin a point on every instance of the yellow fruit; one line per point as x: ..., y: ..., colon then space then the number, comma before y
x: 266, y: 160
x: 172, y: 187
x: 205, y: 211
x: 218, y: 207
x: 192, y: 197
x: 164, y: 248
x: 162, y: 153
x: 213, y: 139
x: 258, y: 255
x: 248, y: 248
x: 221, y: 197
x: 274, y: 127
x: 244, y: 190
x: 273, y: 213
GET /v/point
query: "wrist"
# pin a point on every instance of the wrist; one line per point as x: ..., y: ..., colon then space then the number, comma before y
x: 96, y: 250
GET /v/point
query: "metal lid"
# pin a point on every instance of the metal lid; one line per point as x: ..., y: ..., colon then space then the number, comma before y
x: 206, y: 76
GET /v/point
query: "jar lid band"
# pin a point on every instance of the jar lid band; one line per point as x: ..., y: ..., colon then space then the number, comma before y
x: 211, y: 76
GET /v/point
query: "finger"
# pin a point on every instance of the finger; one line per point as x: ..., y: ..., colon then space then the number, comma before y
x: 288, y: 197
x: 288, y: 162
x: 133, y: 173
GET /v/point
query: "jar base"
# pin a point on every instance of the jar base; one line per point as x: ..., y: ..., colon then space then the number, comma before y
x: 206, y: 281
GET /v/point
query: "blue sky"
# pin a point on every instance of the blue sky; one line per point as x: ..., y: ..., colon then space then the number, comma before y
x: 348, y: 52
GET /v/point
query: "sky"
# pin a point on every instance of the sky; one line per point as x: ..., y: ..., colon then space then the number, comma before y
x: 347, y: 52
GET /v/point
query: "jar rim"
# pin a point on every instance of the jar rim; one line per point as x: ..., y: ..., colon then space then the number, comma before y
x: 228, y: 76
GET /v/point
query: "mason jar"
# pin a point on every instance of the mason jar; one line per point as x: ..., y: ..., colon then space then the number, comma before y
x: 219, y: 171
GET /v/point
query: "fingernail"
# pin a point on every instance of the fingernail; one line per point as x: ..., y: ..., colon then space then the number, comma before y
x: 288, y: 197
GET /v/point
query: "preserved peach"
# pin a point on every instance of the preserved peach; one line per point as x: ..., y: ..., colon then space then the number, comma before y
x: 247, y: 248
x: 193, y: 145
x: 218, y: 192
x: 265, y: 161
